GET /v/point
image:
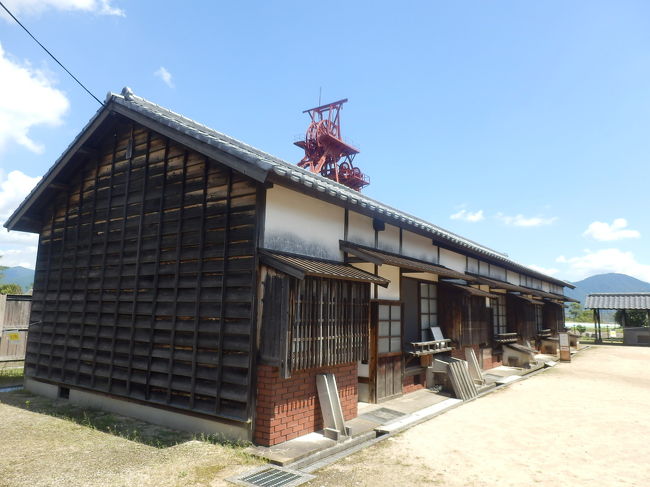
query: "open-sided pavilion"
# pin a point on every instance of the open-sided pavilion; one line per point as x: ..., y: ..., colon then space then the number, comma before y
x: 623, y: 302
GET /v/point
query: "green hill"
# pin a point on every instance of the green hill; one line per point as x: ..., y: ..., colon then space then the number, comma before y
x: 17, y: 275
x: 607, y: 283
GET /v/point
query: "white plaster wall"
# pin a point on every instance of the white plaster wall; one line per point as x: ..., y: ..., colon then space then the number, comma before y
x: 303, y: 225
x: 418, y: 247
x: 497, y: 272
x: 388, y: 239
x: 392, y: 291
x: 512, y: 277
x: 452, y: 260
x: 360, y: 229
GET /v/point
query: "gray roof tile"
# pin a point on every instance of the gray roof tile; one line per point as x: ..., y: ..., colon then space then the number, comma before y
x: 268, y: 163
x: 618, y: 301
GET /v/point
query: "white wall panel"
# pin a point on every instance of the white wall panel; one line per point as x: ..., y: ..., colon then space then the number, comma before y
x: 303, y: 225
x: 418, y: 247
x: 388, y: 239
x: 360, y: 229
x: 392, y: 291
x: 452, y: 260
x: 512, y: 277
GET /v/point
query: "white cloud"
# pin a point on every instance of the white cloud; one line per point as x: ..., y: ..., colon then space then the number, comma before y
x: 468, y: 216
x: 549, y: 271
x: 605, y: 232
x: 28, y: 99
x: 16, y: 248
x: 520, y: 220
x: 164, y: 75
x: 604, y: 261
x: 35, y: 7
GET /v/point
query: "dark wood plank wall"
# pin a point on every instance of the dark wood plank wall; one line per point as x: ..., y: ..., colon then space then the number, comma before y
x: 553, y: 317
x: 477, y: 322
x: 145, y: 278
x: 521, y: 318
x: 450, y: 312
x: 463, y: 318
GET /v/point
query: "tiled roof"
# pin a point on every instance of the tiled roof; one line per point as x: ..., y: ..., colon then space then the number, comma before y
x: 263, y: 162
x: 618, y: 301
x: 319, y: 268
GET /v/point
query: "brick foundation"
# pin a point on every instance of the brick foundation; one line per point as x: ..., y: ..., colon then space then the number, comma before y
x: 489, y: 362
x: 288, y: 408
x: 414, y: 383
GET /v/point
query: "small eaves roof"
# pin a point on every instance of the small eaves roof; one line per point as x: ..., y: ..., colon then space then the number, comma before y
x: 250, y: 161
x: 300, y: 266
x: 474, y: 291
x: 496, y: 284
x: 618, y: 301
x: 381, y: 257
x: 529, y: 300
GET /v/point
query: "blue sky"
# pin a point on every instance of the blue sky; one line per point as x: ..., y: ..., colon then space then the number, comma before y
x: 521, y: 125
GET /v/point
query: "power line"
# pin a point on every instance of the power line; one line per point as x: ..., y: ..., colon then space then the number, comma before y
x: 50, y: 54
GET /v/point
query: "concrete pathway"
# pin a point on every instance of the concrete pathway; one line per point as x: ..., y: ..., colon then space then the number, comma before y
x: 586, y: 423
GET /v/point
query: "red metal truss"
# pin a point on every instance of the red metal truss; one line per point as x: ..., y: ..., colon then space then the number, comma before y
x: 325, y: 151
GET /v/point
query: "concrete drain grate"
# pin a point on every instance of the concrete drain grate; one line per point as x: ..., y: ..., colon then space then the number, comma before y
x: 382, y: 415
x: 271, y: 477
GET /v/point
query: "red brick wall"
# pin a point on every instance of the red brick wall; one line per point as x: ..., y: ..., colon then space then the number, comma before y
x: 489, y: 362
x: 288, y: 408
x: 413, y: 383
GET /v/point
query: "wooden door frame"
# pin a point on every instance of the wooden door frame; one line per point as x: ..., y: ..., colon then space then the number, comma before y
x: 373, y: 355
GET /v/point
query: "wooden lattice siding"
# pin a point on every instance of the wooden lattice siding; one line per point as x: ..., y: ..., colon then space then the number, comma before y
x: 313, y: 323
x: 144, y: 278
x: 330, y: 324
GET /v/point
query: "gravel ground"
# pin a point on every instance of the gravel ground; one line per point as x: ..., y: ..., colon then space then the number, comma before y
x: 579, y: 424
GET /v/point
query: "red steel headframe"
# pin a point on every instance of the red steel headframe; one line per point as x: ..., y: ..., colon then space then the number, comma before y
x: 325, y: 151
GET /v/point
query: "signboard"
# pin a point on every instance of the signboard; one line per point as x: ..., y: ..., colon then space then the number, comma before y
x: 13, y: 337
x: 565, y: 349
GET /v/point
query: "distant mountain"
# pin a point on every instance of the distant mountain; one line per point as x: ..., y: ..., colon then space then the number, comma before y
x: 607, y: 283
x: 22, y: 276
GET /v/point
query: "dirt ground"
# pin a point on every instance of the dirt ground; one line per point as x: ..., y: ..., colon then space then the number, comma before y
x: 579, y: 424
x: 586, y: 423
x: 94, y: 448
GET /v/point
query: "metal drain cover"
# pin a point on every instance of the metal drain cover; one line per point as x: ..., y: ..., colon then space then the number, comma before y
x: 271, y: 477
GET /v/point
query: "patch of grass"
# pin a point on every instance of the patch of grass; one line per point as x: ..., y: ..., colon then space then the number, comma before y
x: 115, y: 424
x: 10, y: 375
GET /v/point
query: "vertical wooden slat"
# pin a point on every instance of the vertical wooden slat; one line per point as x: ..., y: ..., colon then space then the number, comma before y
x: 120, y: 265
x: 89, y: 242
x: 100, y: 297
x: 45, y: 291
x: 177, y: 272
x: 156, y: 276
x: 199, y: 279
x: 57, y: 305
x: 224, y: 285
x: 136, y: 281
x: 73, y: 274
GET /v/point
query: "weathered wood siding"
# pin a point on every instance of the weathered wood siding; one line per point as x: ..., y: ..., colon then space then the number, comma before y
x: 145, y: 278
x: 521, y: 318
x: 553, y: 317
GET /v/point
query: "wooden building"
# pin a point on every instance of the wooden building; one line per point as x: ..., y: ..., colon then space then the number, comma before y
x: 188, y: 278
